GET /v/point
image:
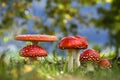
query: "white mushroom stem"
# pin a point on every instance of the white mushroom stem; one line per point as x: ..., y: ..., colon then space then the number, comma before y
x: 90, y: 67
x: 70, y: 61
x: 77, y: 62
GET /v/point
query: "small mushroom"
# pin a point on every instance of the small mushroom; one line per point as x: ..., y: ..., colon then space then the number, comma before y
x: 90, y: 56
x: 32, y: 52
x: 35, y: 38
x: 69, y: 43
x: 83, y: 45
x: 104, y: 63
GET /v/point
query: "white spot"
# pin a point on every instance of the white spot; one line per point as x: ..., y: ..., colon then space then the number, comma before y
x: 91, y: 56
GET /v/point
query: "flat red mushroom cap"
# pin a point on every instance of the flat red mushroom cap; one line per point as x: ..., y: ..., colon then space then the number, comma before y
x: 84, y: 43
x: 69, y: 43
x: 34, y: 37
x: 33, y: 51
x: 90, y: 55
x: 104, y: 63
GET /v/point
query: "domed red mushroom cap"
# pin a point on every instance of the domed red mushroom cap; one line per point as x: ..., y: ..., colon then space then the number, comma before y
x: 69, y: 43
x: 90, y: 55
x: 33, y: 51
x: 84, y: 43
x: 34, y: 37
x: 104, y: 63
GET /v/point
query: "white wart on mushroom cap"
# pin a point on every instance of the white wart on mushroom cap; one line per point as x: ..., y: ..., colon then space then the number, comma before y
x: 90, y: 55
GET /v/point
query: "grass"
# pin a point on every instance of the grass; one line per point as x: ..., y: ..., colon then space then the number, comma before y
x: 52, y: 69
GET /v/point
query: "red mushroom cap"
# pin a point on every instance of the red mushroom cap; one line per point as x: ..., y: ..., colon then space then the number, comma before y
x: 33, y: 51
x: 69, y: 43
x: 104, y: 63
x: 90, y: 55
x: 83, y: 41
x: 33, y: 37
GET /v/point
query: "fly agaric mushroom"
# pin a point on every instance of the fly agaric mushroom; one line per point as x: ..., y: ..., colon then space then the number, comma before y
x: 83, y: 45
x: 104, y: 63
x: 69, y: 43
x: 90, y: 56
x: 32, y: 52
x: 36, y: 38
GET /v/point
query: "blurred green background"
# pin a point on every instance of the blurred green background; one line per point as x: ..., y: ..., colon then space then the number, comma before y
x: 97, y: 20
